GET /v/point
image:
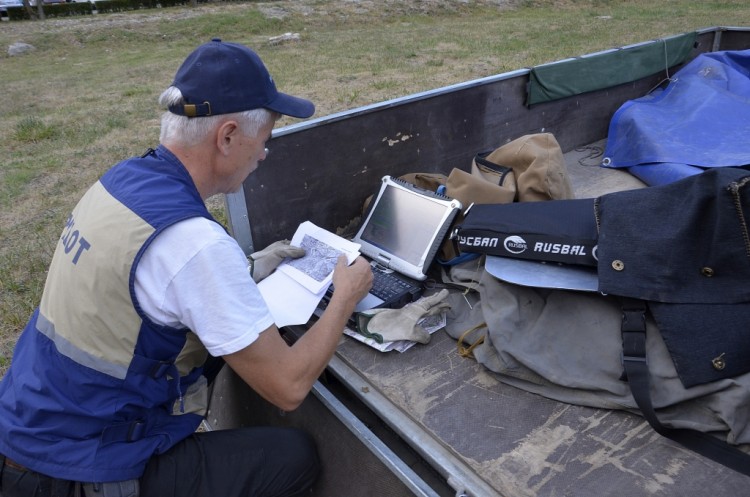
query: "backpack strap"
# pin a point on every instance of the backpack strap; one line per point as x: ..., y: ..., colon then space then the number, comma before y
x: 636, y: 369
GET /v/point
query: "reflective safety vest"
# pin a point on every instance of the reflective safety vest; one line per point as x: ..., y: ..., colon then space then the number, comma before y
x: 95, y: 387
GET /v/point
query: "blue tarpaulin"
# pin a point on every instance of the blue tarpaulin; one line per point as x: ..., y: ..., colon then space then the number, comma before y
x: 700, y: 120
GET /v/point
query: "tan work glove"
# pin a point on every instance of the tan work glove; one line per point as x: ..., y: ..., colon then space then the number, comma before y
x: 388, y: 325
x: 262, y: 263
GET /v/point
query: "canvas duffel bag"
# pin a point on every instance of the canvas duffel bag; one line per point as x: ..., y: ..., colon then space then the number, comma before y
x: 663, y: 326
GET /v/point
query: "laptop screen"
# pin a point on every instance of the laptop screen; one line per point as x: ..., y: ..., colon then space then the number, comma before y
x: 408, y: 235
x: 405, y: 227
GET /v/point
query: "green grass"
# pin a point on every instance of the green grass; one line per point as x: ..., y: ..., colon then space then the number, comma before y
x: 86, y: 97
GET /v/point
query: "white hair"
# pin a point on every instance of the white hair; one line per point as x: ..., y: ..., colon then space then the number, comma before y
x: 186, y: 130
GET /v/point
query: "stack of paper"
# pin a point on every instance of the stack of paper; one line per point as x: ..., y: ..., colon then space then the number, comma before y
x: 294, y: 290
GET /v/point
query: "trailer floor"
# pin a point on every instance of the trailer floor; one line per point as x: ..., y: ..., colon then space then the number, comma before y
x: 495, y: 439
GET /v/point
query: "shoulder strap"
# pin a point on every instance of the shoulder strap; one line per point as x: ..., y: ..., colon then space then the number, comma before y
x: 636, y: 370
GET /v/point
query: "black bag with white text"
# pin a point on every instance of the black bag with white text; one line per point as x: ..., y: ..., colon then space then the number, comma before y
x: 561, y: 231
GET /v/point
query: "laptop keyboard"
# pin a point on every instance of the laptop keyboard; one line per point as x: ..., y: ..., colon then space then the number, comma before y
x: 386, y: 285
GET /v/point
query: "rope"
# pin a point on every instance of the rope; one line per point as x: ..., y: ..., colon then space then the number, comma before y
x: 468, y: 352
x: 666, y: 69
x: 590, y: 160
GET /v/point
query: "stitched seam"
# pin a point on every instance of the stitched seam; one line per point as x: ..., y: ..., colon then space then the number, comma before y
x: 734, y: 188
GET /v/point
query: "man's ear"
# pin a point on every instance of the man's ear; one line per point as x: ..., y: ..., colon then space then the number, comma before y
x: 226, y: 134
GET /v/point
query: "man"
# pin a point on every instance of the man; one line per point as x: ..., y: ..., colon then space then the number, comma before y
x: 108, y: 383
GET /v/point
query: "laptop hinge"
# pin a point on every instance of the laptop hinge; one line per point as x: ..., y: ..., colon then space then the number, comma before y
x: 383, y: 260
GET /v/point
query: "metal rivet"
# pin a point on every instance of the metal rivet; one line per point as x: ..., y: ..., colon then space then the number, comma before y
x: 707, y: 272
x: 618, y: 265
x: 719, y: 363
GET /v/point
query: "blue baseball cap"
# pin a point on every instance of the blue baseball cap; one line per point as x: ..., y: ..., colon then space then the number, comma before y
x: 222, y: 78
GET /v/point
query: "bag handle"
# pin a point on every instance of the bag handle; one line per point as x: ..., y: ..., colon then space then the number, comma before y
x: 502, y: 172
x: 636, y: 369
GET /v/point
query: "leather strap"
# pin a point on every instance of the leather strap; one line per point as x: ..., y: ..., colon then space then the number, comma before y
x: 12, y: 464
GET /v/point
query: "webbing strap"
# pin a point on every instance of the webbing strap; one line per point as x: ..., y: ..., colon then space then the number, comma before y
x: 124, y: 432
x: 636, y: 369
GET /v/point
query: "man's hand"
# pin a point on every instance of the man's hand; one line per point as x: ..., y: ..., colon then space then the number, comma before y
x: 284, y: 375
x: 264, y: 262
x: 352, y: 281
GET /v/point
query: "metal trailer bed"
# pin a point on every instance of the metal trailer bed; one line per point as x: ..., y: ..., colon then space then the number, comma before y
x: 429, y: 422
